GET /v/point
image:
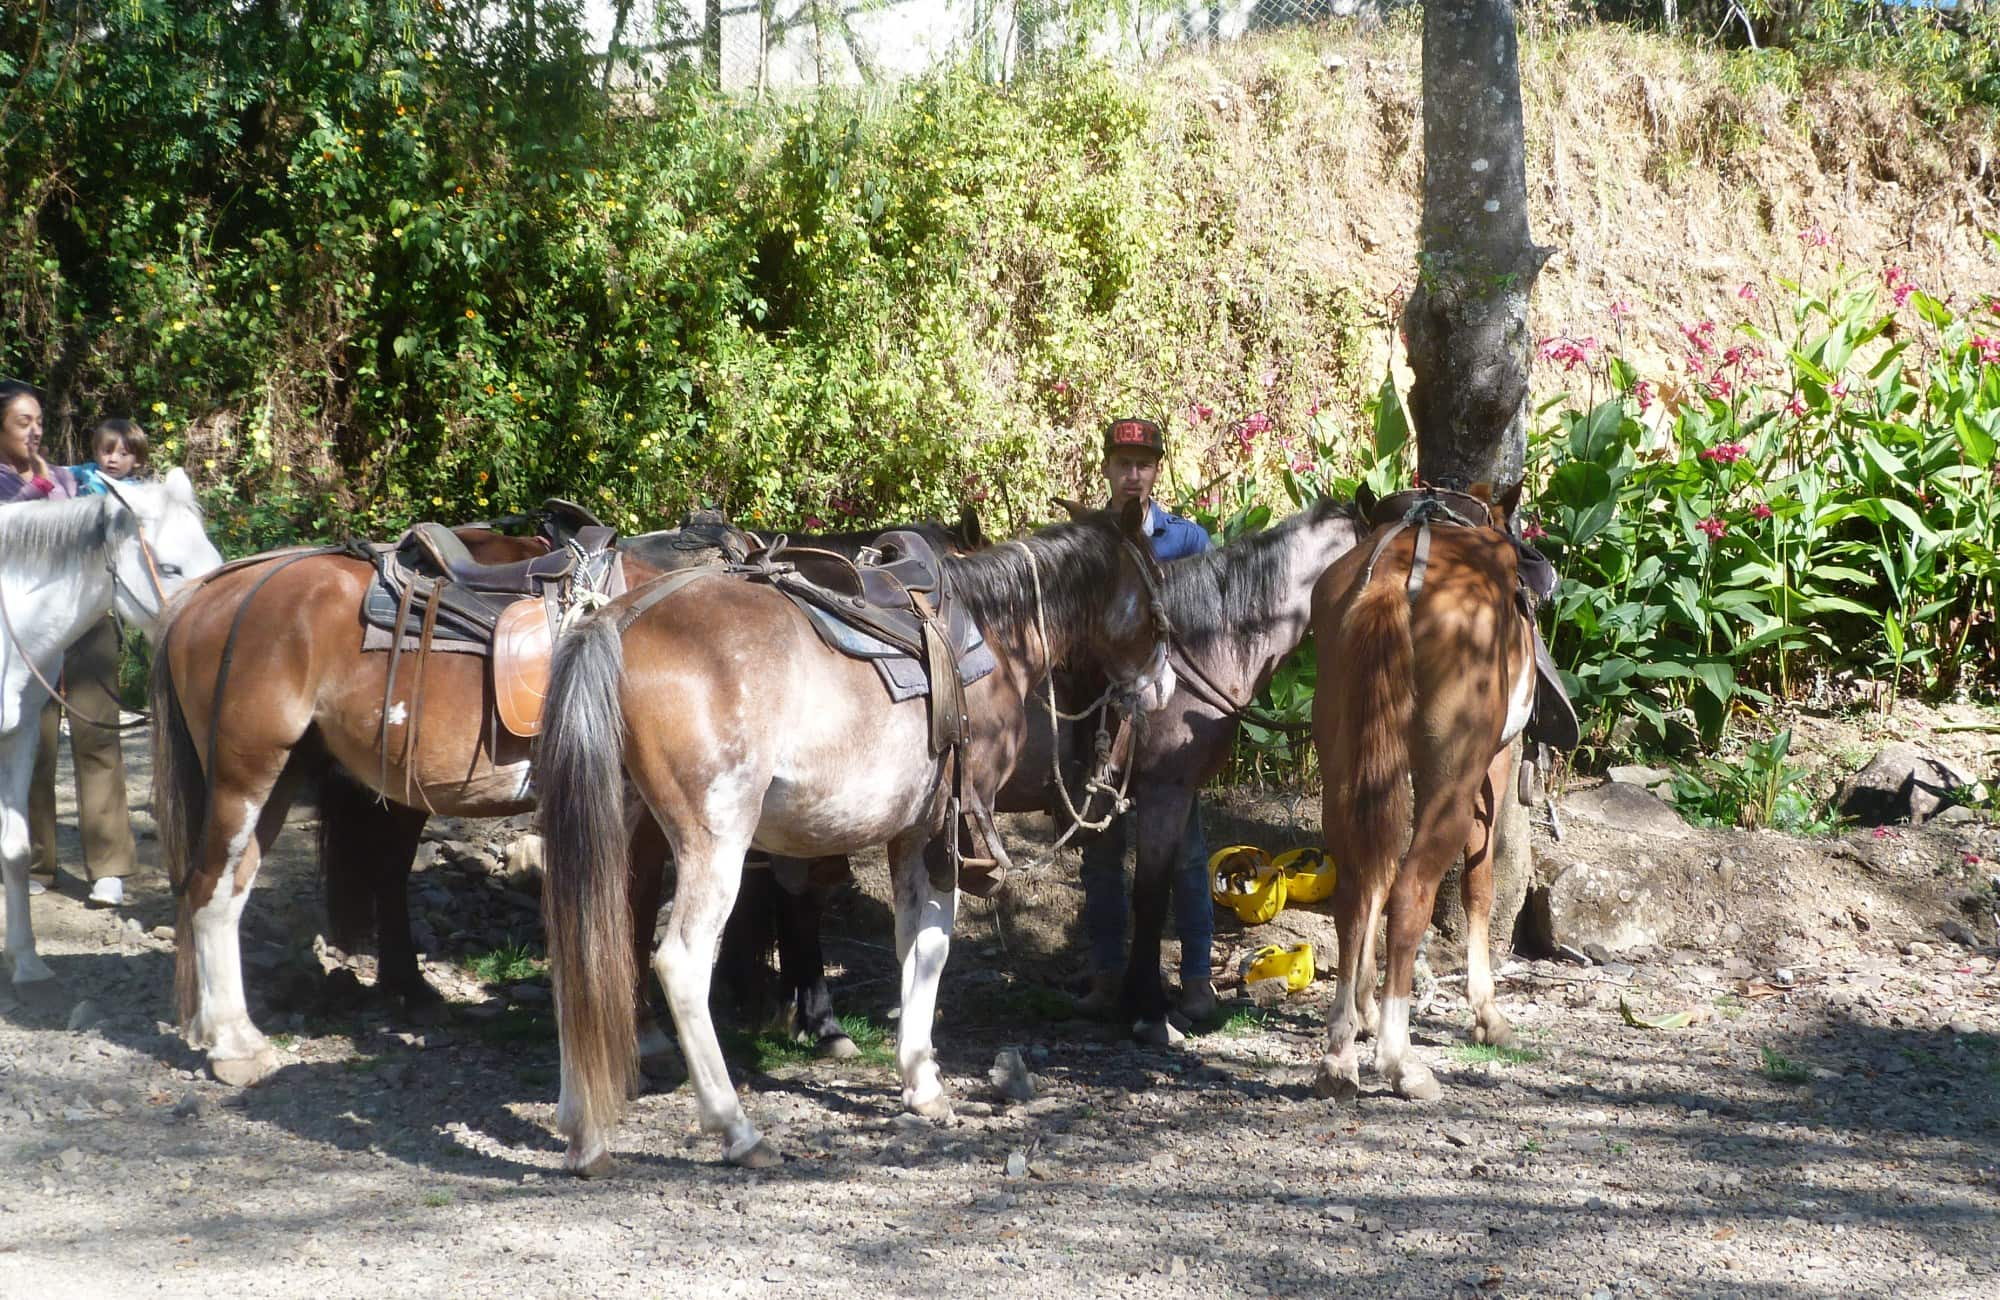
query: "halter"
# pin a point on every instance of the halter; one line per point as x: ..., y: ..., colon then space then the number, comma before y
x: 1113, y: 695
x: 117, y: 585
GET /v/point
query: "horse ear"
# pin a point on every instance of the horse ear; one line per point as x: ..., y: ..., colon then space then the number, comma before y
x: 179, y: 485
x: 1509, y: 501
x: 1075, y: 509
x: 1132, y: 520
x: 970, y: 535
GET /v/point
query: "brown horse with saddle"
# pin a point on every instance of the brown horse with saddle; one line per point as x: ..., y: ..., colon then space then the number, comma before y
x: 1429, y: 667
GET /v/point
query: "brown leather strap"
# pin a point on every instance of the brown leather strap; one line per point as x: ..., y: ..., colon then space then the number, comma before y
x: 389, y: 685
x: 657, y: 590
x: 410, y: 730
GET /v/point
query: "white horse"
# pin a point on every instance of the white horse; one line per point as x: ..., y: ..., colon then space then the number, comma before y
x: 63, y: 566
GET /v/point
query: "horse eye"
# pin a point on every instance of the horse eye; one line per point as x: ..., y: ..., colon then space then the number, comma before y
x: 170, y: 570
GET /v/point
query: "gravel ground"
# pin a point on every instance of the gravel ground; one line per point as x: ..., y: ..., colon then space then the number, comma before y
x: 1828, y: 1124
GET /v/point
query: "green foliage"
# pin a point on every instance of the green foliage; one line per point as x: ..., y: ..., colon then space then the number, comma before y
x: 1756, y: 790
x: 1812, y: 494
x: 360, y: 261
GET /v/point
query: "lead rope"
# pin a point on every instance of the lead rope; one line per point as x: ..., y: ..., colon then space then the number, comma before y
x: 1092, y: 787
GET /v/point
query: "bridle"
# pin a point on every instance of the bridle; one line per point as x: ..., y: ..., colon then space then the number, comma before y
x: 117, y: 584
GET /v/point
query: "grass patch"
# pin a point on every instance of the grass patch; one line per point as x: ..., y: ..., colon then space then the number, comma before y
x: 284, y: 1042
x: 771, y: 1051
x: 1779, y: 1068
x: 1729, y: 1007
x: 437, y: 1200
x: 1486, y: 1053
x: 509, y: 964
x: 516, y: 1025
x: 1015, y: 1004
x: 1242, y: 1023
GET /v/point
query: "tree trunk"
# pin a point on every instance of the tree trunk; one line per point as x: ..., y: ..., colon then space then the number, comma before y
x: 1467, y: 321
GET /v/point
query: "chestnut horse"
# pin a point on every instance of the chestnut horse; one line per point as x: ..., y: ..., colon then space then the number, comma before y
x: 1426, y: 675
x: 737, y: 727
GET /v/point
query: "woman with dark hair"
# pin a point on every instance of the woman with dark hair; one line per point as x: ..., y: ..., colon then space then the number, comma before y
x: 90, y: 681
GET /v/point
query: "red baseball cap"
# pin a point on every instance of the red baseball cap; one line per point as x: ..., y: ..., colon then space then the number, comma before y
x: 1134, y: 434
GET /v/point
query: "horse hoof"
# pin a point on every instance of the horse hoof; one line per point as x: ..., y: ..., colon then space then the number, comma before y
x: 599, y: 1166
x: 1493, y: 1031
x: 761, y: 1156
x: 1157, y: 1033
x: 838, y: 1047
x: 243, y: 1071
x: 1335, y: 1083
x: 937, y: 1108
x: 1417, y: 1083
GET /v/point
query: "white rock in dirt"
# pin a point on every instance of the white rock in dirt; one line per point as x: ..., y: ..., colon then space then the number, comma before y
x: 1017, y: 1164
x: 1626, y: 808
x: 1608, y: 907
x: 1656, y: 779
x: 1009, y: 1076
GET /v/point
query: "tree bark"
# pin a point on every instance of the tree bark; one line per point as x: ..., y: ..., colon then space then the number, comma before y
x: 1466, y: 324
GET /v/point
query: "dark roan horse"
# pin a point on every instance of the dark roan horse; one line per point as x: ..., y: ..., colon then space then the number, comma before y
x: 1237, y: 611
x: 738, y: 727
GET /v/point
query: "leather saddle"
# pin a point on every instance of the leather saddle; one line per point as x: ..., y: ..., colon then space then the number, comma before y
x: 1553, y: 720
x: 428, y: 594
x: 891, y: 606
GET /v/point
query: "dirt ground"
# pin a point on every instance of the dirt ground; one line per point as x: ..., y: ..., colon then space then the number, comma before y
x: 1828, y: 1124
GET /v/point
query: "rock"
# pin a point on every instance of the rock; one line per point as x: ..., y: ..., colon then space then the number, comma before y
x: 1626, y: 807
x: 1657, y: 780
x: 1178, y: 1268
x: 1916, y: 948
x: 1342, y: 1213
x: 1267, y: 993
x: 188, y: 1107
x: 524, y: 858
x: 1957, y: 932
x: 162, y: 932
x: 1010, y: 1078
x: 531, y: 994
x: 1017, y: 1164
x: 1963, y: 1027
x: 1605, y: 908
x: 85, y: 1014
x: 1901, y: 783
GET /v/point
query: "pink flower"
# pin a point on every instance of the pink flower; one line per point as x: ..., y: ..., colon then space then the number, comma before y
x: 1815, y: 236
x: 1643, y: 390
x: 815, y: 523
x: 1719, y: 386
x: 1620, y: 309
x: 1881, y: 832
x: 1748, y: 292
x: 1989, y: 349
x: 1059, y: 386
x: 1714, y: 527
x: 1797, y: 406
x: 1700, y: 337
x: 1568, y: 352
x: 1898, y: 283
x: 1971, y: 859
x: 1303, y: 465
x: 1839, y: 389
x: 1269, y: 378
x: 1725, y: 453
x: 1533, y: 530
x: 1760, y: 511
x: 1201, y: 411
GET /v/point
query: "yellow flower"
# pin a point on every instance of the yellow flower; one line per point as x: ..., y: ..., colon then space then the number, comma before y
x: 159, y: 408
x: 437, y: 501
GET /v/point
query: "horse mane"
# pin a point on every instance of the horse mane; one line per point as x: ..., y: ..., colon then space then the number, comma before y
x: 1078, y: 562
x: 1230, y: 592
x: 34, y: 534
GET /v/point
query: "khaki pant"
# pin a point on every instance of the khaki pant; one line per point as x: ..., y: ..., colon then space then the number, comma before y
x: 90, y: 682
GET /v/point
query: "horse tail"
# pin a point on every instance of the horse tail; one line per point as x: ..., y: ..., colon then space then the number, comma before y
x: 180, y: 803
x: 1371, y: 740
x: 585, y: 911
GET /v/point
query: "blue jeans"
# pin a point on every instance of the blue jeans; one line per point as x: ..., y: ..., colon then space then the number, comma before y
x: 1104, y: 907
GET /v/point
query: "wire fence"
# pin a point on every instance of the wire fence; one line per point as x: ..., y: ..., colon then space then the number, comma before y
x: 759, y: 46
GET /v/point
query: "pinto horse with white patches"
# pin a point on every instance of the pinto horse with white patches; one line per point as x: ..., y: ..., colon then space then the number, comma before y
x: 725, y: 713
x: 63, y: 566
x: 1426, y: 675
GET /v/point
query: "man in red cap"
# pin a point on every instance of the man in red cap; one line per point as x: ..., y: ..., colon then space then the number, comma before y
x: 1133, y: 449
